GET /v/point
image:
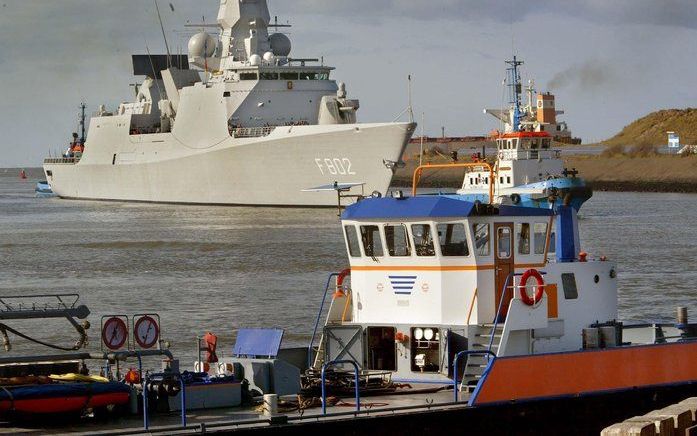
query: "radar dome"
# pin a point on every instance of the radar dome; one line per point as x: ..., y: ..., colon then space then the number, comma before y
x: 201, y: 45
x: 280, y: 44
x: 255, y: 60
x: 269, y: 57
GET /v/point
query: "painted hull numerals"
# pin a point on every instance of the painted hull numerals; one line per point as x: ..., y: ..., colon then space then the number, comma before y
x: 335, y: 166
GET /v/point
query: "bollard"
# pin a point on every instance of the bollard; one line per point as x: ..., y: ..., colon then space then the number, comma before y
x: 270, y: 404
x: 682, y: 315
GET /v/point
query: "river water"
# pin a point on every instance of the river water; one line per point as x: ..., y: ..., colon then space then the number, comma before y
x: 220, y: 268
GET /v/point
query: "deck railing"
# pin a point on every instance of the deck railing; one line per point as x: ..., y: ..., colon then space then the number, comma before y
x: 529, y: 154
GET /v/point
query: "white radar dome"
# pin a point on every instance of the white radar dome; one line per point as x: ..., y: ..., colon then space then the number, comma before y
x: 280, y: 44
x: 255, y: 60
x: 269, y: 57
x: 201, y: 45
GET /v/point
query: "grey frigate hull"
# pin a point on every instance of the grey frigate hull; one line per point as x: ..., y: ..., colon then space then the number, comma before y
x: 272, y: 170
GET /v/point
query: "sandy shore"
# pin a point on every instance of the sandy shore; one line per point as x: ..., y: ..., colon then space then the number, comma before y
x: 620, y: 173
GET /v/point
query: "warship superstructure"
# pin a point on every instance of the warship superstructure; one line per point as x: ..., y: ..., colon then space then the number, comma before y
x: 238, y: 121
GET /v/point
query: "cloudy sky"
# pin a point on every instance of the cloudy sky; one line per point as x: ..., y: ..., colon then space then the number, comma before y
x: 608, y: 62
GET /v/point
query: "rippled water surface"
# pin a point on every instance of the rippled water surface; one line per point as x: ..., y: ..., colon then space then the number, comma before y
x: 221, y: 268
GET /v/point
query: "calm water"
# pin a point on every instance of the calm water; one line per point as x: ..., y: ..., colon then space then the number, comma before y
x: 220, y: 268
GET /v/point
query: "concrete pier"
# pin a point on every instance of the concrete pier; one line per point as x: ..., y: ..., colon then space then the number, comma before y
x: 676, y: 420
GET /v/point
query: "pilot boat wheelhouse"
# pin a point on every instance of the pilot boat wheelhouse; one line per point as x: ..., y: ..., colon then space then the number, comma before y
x: 503, y: 293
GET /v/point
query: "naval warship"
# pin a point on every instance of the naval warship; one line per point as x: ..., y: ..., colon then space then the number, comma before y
x: 237, y: 121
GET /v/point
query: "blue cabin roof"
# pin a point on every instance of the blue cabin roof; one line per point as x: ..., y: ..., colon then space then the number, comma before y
x: 427, y: 206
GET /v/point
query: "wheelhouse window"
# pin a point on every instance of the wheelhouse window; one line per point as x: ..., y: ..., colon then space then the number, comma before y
x: 481, y: 239
x: 269, y: 76
x: 289, y: 76
x: 504, y: 243
x: 423, y: 241
x: 352, y: 241
x: 453, y: 240
x: 397, y: 241
x: 372, y: 244
x: 323, y: 76
x: 248, y: 76
x: 523, y: 238
x: 309, y: 76
x: 541, y: 238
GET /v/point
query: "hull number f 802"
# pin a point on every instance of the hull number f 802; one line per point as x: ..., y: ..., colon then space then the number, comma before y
x: 335, y: 166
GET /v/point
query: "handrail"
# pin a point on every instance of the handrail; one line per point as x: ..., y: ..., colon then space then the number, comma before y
x: 319, y: 315
x: 419, y: 170
x: 324, y: 392
x: 456, y: 364
x: 474, y: 297
x: 498, y: 311
x: 346, y: 306
x: 146, y: 417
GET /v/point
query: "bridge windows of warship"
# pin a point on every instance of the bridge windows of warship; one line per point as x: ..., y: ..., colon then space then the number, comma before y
x: 423, y: 241
x: 382, y: 348
x: 372, y: 244
x: 397, y: 240
x: 453, y: 240
x: 249, y: 76
x: 289, y: 76
x: 268, y: 76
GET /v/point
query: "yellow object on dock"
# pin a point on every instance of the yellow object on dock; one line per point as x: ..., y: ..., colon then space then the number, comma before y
x: 78, y: 378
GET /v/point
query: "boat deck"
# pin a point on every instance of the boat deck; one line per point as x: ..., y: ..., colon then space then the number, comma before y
x: 420, y: 398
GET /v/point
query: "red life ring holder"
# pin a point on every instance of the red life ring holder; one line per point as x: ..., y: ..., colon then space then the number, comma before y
x: 539, y: 291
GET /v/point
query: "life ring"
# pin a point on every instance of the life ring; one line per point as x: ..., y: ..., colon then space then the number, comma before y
x: 515, y: 198
x: 340, y: 282
x: 538, y: 292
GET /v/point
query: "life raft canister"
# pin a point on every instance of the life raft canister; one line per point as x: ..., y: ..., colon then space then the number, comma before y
x: 340, y: 282
x: 539, y: 290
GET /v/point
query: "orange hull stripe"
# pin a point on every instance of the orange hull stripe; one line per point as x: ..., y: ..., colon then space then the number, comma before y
x: 550, y: 375
x: 437, y: 268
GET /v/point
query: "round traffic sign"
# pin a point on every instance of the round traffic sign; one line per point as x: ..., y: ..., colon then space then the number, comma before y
x: 114, y: 333
x: 147, y: 332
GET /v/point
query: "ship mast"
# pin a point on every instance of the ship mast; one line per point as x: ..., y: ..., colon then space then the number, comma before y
x: 515, y: 90
x: 83, y: 106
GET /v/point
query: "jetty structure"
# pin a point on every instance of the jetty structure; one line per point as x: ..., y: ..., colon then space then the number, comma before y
x: 238, y: 121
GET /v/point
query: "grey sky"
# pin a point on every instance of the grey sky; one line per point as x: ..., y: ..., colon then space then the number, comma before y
x: 608, y: 62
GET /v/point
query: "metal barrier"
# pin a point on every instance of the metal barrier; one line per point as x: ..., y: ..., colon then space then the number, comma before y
x: 324, y: 392
x: 146, y: 417
x: 457, y: 366
x: 319, y: 316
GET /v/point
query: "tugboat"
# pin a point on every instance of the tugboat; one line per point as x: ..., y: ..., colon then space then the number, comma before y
x: 528, y: 171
